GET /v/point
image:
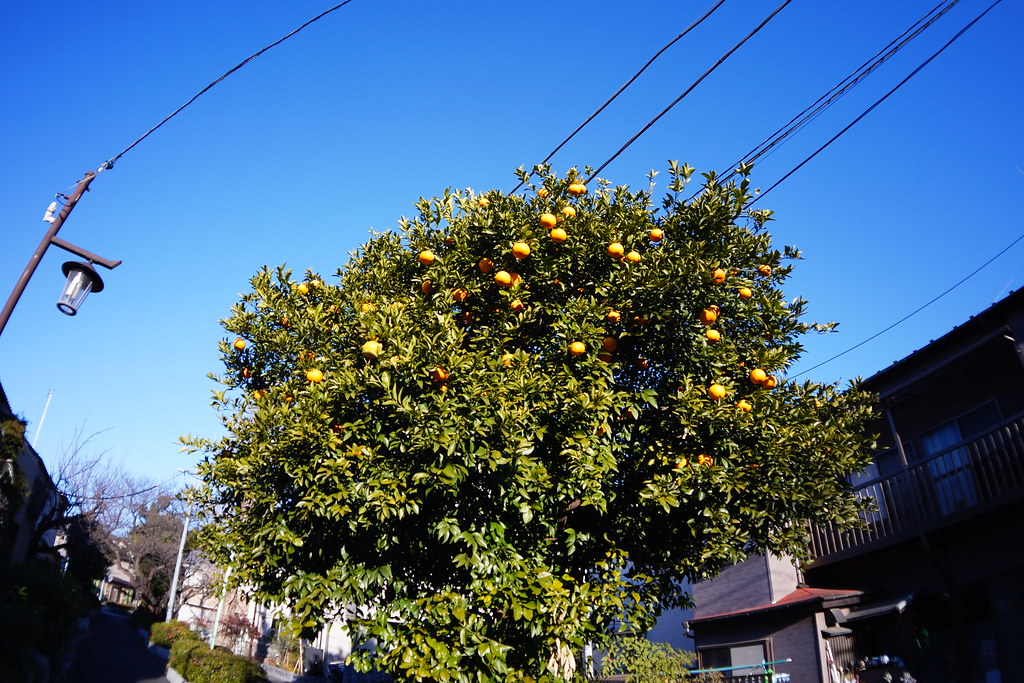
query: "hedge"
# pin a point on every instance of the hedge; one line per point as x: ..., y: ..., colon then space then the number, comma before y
x: 197, y: 663
x: 164, y: 634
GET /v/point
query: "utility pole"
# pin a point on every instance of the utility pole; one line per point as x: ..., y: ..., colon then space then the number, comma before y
x: 177, y: 565
x: 51, y: 238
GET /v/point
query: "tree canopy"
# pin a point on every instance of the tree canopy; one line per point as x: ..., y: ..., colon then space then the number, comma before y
x: 518, y: 421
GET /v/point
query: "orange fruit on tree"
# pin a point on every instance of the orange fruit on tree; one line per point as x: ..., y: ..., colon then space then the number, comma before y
x: 484, y: 202
x: 239, y: 344
x: 517, y: 306
x: 713, y: 335
x: 577, y: 189
x: 717, y: 391
x: 616, y: 250
x: 770, y: 382
x: 758, y: 376
x: 507, y: 359
x: 485, y: 265
x: 633, y: 256
x: 718, y: 276
x: 744, y: 406
x: 427, y: 287
x: 302, y: 287
x: 708, y: 316
x: 520, y: 250
x: 246, y: 373
x: 609, y: 344
x: 258, y: 394
x: 569, y: 212
x: 314, y: 375
x: 558, y: 235
x: 426, y: 257
x: 542, y: 192
x: 704, y: 459
x: 548, y: 220
x: 604, y: 357
x: 681, y: 464
x: 613, y: 316
x: 577, y: 348
x: 657, y: 234
x: 745, y: 292
x: 438, y: 374
x: 503, y: 278
x: 764, y: 270
x: 371, y: 349
x: 367, y: 306
x: 460, y: 294
x: 517, y: 279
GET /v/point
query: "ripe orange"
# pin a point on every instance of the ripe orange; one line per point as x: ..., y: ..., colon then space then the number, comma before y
x: 485, y: 265
x: 713, y: 335
x: 303, y: 288
x: 438, y: 374
x: 426, y: 257
x: 517, y: 306
x: 770, y: 382
x: 460, y: 295
x: 246, y: 373
x: 558, y: 236
x: 569, y: 212
x: 609, y: 344
x: 503, y: 278
x: 681, y: 464
x: 239, y: 344
x: 367, y: 306
x: 633, y: 256
x: 427, y: 287
x: 744, y: 406
x: 758, y: 376
x: 764, y: 270
x: 520, y: 250
x: 372, y: 349
x: 548, y: 220
x: 577, y: 189
x: 604, y: 357
x: 577, y: 348
x: 616, y: 250
x: 542, y: 192
x: 484, y: 202
x: 507, y: 359
x: 717, y: 391
x: 708, y: 316
x: 704, y: 459
x: 517, y: 278
x: 314, y: 375
x: 745, y: 292
x: 657, y: 234
x: 718, y: 276
x: 258, y: 394
x: 613, y: 316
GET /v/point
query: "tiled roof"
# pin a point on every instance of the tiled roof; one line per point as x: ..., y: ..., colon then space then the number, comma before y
x: 799, y: 596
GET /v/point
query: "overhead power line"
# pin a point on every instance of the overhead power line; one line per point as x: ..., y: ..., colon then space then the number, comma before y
x: 110, y: 162
x: 628, y: 83
x: 686, y: 92
x: 877, y: 102
x: 815, y: 109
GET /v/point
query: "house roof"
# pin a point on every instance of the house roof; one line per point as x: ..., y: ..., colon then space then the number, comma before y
x: 802, y: 596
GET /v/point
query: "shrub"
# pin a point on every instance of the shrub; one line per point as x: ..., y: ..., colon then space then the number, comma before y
x: 197, y: 663
x: 164, y: 634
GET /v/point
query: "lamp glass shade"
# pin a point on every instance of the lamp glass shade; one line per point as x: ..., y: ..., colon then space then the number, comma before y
x: 82, y: 279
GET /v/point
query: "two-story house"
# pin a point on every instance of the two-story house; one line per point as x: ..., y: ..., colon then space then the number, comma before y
x: 933, y: 584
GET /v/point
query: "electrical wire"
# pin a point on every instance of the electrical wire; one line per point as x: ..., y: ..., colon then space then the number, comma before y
x: 877, y: 102
x: 628, y: 83
x: 110, y: 162
x: 815, y: 109
x: 688, y: 90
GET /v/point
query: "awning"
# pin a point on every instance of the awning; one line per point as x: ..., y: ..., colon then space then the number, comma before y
x: 879, y: 609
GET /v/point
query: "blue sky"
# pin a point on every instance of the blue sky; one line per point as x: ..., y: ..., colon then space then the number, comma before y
x: 340, y: 129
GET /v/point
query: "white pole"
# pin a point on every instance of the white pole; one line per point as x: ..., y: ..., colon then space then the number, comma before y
x: 177, y: 565
x: 220, y: 608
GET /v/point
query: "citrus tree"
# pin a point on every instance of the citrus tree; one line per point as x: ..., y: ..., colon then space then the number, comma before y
x: 517, y: 422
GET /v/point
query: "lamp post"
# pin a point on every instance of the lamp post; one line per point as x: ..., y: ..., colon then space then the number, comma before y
x: 81, y: 277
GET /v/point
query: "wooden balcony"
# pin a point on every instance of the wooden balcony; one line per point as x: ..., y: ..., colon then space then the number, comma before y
x: 960, y: 482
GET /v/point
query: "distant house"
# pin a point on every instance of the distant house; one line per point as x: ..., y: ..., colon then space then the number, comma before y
x: 934, y: 583
x: 39, y: 498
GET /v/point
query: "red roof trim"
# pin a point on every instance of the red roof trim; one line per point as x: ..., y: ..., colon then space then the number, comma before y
x: 799, y: 596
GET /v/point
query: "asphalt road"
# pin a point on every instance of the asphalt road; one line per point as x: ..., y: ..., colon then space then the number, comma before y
x: 113, y: 652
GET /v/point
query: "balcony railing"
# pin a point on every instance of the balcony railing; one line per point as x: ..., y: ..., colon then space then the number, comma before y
x: 964, y: 480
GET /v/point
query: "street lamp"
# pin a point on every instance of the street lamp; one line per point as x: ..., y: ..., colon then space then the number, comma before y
x: 81, y: 277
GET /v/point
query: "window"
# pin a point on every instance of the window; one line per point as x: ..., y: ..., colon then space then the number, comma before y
x: 950, y: 468
x: 746, y: 659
